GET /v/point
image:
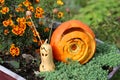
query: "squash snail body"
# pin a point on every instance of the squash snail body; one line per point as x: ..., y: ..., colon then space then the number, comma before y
x: 47, y: 63
x: 73, y: 40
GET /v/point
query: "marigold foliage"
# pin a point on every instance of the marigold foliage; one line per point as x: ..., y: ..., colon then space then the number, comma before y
x: 16, y: 27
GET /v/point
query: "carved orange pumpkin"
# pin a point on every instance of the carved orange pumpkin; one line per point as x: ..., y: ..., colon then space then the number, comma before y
x: 73, y: 40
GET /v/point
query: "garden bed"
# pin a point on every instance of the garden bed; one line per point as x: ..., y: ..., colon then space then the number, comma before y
x: 19, y: 42
x: 101, y: 66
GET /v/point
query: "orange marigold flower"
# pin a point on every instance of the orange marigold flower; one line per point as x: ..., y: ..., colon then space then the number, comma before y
x: 22, y: 25
x: 14, y: 51
x: 12, y: 45
x: 18, y: 31
x: 30, y: 8
x: 60, y: 14
x: 6, y: 31
x: 20, y: 5
x: 19, y: 9
x: 38, y: 15
x: 17, y: 51
x: 59, y: 2
x: 35, y: 33
x: 2, y: 1
x: 5, y: 23
x: 21, y: 20
x: 29, y: 23
x: 13, y: 26
x: 15, y: 30
x: 11, y: 23
x: 4, y: 10
x: 26, y: 3
x: 8, y: 22
x: 39, y: 10
x: 46, y: 29
x: 35, y: 39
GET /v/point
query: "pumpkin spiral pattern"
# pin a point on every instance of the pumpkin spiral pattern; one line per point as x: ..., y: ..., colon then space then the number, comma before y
x: 73, y: 40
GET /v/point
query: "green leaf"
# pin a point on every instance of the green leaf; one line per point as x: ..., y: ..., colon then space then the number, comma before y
x: 13, y: 63
x: 1, y: 61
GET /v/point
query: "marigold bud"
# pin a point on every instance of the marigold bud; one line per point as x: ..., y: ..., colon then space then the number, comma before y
x: 28, y: 13
x: 55, y: 10
x: 68, y: 10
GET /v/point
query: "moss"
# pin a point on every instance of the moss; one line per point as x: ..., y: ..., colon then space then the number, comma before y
x: 106, y: 55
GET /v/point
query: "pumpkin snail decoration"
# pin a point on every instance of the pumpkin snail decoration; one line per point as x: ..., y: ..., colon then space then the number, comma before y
x: 47, y: 63
x: 73, y: 40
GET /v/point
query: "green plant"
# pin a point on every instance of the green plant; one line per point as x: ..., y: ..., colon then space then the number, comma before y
x: 106, y: 55
x: 108, y: 31
x: 103, y: 17
x: 1, y: 61
x: 75, y: 5
x: 97, y: 10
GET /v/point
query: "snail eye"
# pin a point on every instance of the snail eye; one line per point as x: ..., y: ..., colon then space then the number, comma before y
x: 46, y: 54
x: 42, y: 54
x: 42, y: 66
